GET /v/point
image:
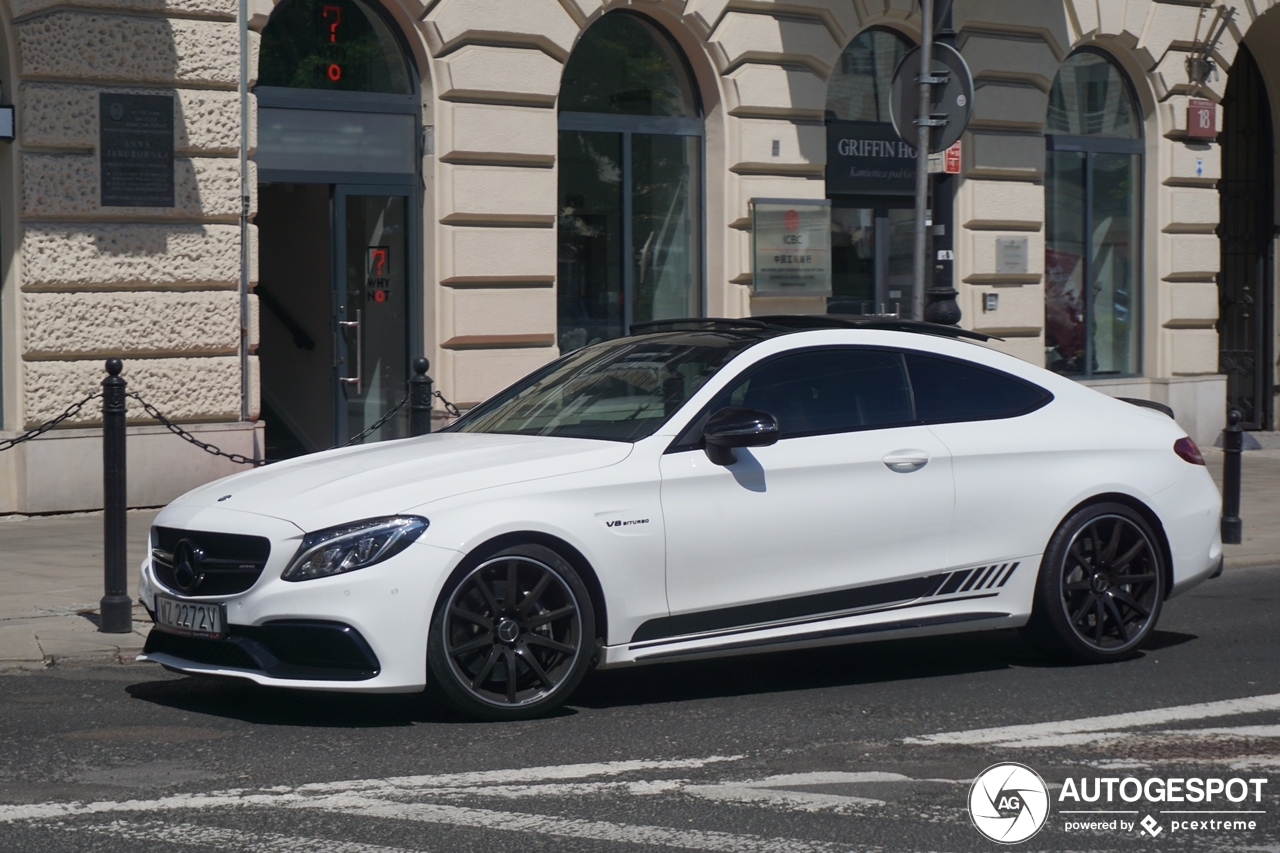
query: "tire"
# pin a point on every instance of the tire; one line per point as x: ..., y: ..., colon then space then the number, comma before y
x: 1100, y: 588
x: 523, y: 609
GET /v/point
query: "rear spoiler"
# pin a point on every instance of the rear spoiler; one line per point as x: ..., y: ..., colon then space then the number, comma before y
x: 1148, y: 404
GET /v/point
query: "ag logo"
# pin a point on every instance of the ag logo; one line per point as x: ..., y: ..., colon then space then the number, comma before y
x: 1008, y: 803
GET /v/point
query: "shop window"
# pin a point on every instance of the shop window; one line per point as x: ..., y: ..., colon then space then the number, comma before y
x: 339, y: 45
x: 1093, y: 202
x: 870, y: 181
x: 630, y: 184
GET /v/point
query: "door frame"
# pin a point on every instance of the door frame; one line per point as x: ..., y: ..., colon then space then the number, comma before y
x: 879, y: 207
x: 414, y: 297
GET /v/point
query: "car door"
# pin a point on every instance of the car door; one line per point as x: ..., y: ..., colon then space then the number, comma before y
x: 1006, y: 465
x: 849, y: 509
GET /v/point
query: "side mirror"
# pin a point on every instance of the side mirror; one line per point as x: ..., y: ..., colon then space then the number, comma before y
x: 737, y: 427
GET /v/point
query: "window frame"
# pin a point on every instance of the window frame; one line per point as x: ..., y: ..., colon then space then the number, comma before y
x: 690, y: 437
x: 1089, y: 146
x: 627, y: 126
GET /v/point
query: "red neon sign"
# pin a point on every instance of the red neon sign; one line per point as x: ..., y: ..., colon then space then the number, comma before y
x: 328, y: 12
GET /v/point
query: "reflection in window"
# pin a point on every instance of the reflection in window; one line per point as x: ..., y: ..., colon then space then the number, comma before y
x: 630, y: 179
x: 1091, y: 98
x: 341, y: 45
x: 859, y: 88
x: 623, y: 66
x: 1092, y: 211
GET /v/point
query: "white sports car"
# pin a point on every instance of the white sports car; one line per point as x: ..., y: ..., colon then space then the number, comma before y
x: 704, y: 487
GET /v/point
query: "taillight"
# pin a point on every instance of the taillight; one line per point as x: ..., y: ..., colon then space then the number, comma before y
x: 1186, y: 448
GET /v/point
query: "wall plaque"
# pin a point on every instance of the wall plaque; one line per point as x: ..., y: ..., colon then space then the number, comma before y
x: 791, y: 243
x: 868, y: 158
x: 1202, y: 119
x: 1011, y: 255
x: 135, y: 150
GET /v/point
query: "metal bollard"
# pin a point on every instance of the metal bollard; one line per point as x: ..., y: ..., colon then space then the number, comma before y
x: 420, y: 388
x: 1232, y: 442
x: 116, y: 608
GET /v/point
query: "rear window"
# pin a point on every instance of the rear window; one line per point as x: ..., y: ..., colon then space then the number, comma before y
x: 948, y: 390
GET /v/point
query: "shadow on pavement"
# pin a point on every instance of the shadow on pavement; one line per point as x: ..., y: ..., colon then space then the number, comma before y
x: 775, y: 673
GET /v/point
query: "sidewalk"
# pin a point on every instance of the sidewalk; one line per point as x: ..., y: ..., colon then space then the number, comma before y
x: 51, y: 571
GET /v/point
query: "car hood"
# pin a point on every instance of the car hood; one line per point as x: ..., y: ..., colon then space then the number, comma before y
x: 337, y: 486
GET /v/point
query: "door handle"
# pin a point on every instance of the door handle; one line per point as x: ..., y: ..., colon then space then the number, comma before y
x: 906, y: 461
x: 358, y: 379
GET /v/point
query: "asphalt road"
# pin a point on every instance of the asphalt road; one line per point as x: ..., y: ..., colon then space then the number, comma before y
x: 867, y: 747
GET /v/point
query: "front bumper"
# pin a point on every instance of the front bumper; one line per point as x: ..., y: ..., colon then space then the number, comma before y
x: 363, y: 631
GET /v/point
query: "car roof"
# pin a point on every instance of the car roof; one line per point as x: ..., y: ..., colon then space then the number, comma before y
x: 780, y: 324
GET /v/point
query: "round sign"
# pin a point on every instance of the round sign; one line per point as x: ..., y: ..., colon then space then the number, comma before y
x: 952, y: 101
x: 1008, y: 803
x: 791, y: 220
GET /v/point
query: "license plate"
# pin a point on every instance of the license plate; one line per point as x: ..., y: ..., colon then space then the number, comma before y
x: 187, y: 617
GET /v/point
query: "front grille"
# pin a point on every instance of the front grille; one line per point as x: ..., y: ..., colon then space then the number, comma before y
x: 315, y: 650
x: 229, y: 563
x: 199, y: 650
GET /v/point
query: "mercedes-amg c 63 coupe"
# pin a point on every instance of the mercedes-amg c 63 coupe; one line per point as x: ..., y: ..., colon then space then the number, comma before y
x: 700, y: 488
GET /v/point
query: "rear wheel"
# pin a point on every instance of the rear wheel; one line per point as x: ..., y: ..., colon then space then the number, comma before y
x: 513, y: 636
x: 1100, y: 587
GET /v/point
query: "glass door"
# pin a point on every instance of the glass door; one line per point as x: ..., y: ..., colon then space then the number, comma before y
x: 372, y: 303
x: 872, y: 251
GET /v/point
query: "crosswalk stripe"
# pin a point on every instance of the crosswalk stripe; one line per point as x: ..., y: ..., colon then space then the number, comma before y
x: 1035, y: 733
x: 223, y: 838
x: 591, y: 830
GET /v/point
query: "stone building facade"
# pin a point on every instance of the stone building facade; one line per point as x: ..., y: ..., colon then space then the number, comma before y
x: 452, y: 155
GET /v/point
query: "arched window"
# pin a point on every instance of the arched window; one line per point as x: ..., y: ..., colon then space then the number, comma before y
x: 1093, y: 206
x: 859, y: 87
x: 630, y: 183
x: 872, y: 213
x: 340, y: 45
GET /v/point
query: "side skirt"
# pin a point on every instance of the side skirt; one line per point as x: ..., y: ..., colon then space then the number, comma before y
x: 831, y: 635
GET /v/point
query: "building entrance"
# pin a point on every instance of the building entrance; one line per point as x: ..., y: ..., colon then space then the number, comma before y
x: 872, y: 249
x: 1246, y: 233
x: 339, y: 225
x: 334, y: 283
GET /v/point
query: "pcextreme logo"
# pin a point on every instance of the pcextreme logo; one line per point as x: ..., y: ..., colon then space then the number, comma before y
x: 1008, y: 803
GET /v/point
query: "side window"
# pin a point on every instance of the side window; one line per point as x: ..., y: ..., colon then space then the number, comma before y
x: 947, y: 390
x: 824, y: 391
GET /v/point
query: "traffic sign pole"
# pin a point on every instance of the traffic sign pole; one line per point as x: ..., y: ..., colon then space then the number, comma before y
x: 923, y: 121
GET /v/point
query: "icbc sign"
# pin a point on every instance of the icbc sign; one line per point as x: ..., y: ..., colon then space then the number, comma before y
x: 1202, y: 119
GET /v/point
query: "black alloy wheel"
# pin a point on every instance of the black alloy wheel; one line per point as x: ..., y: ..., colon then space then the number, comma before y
x: 513, y: 636
x: 1101, y: 585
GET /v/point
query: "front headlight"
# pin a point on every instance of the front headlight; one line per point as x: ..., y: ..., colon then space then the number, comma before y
x: 353, y: 546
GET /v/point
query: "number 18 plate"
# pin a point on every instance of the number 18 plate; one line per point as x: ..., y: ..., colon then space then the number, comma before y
x: 187, y: 617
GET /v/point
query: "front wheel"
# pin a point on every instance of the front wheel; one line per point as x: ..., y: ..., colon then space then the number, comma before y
x: 513, y: 636
x: 1101, y: 586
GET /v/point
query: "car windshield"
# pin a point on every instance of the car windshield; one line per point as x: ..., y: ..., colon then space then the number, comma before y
x: 616, y: 391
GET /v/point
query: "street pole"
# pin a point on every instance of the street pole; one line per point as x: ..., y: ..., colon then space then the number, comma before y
x: 940, y: 304
x: 923, y: 126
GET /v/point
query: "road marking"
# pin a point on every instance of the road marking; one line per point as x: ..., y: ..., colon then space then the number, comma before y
x: 591, y: 830
x: 1038, y: 734
x: 219, y: 837
x: 283, y: 794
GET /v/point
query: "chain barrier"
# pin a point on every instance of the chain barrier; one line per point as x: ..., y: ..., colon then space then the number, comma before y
x: 238, y: 458
x: 375, y: 426
x: 71, y: 412
x: 453, y: 410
